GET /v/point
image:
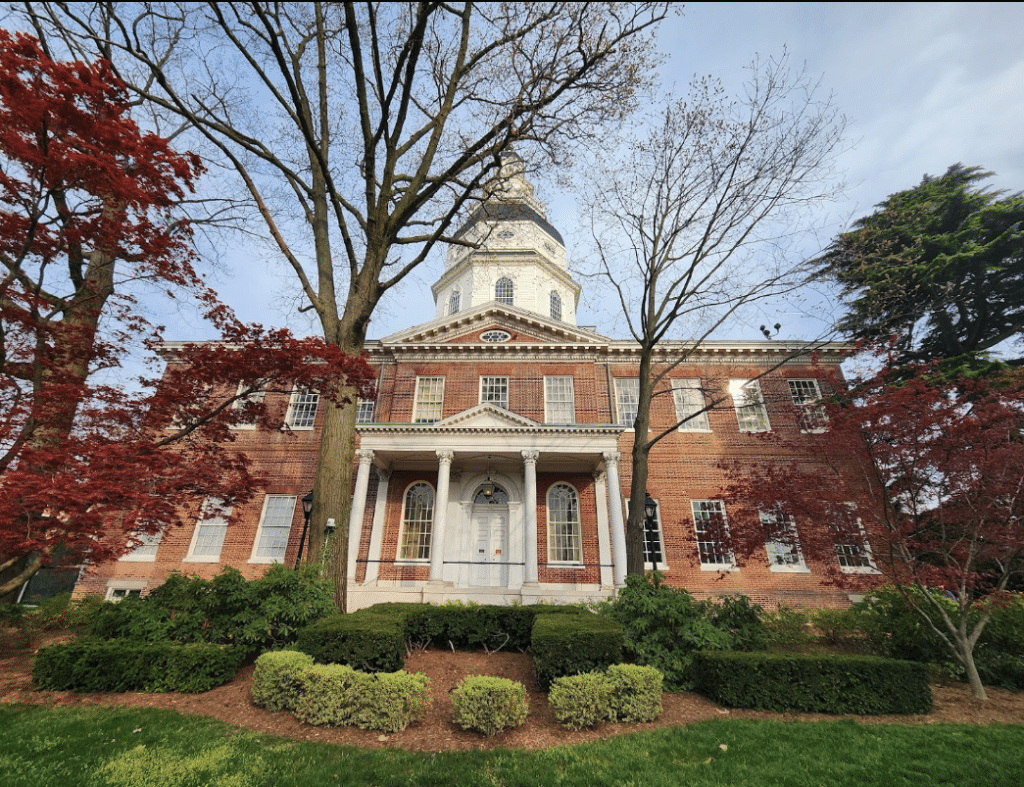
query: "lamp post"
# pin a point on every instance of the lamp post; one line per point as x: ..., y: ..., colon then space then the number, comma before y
x: 651, y: 530
x: 307, y: 508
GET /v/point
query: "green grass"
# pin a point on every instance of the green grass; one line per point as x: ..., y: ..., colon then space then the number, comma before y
x: 66, y: 747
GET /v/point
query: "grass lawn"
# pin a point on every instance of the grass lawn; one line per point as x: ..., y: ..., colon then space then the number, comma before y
x: 65, y: 747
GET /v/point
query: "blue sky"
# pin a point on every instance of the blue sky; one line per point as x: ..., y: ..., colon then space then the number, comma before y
x: 923, y: 86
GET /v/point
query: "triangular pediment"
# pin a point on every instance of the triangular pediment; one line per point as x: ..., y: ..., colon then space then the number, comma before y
x: 522, y: 327
x: 486, y: 416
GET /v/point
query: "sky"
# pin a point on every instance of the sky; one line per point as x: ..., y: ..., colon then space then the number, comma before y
x: 923, y: 86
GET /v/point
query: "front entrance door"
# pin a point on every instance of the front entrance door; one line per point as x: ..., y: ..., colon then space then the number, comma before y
x: 490, y: 562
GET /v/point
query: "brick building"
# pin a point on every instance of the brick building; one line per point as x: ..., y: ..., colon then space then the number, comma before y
x: 494, y: 464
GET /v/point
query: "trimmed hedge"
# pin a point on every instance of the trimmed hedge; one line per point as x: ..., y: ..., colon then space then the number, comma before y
x: 635, y: 693
x: 625, y: 693
x: 810, y: 683
x: 581, y: 700
x: 570, y: 644
x: 277, y: 680
x: 489, y: 705
x: 336, y: 695
x: 122, y: 665
x: 372, y: 642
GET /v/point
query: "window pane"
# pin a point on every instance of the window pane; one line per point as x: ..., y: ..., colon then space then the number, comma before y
x: 275, y: 527
x: 627, y: 399
x: 690, y: 404
x: 417, y: 522
x: 559, y: 400
x: 750, y: 410
x: 503, y: 291
x: 781, y: 543
x: 211, y: 529
x: 302, y: 411
x: 712, y: 532
x: 807, y: 397
x: 455, y: 301
x: 364, y: 411
x: 556, y: 306
x: 429, y: 400
x: 494, y: 390
x: 563, y: 525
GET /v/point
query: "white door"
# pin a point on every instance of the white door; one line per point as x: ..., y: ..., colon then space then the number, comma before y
x: 490, y: 558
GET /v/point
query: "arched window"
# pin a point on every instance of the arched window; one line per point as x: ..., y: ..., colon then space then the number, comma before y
x: 563, y: 525
x: 455, y: 301
x: 503, y: 291
x: 417, y: 522
x: 556, y: 306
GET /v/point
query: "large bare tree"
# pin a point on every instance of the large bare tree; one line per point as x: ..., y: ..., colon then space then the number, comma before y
x: 361, y: 132
x: 691, y: 218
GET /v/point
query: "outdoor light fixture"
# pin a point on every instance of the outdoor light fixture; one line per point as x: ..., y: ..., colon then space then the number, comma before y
x: 651, y: 542
x: 307, y: 509
x: 488, y: 487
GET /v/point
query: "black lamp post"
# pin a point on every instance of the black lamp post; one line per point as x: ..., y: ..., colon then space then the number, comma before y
x: 307, y: 508
x: 651, y: 530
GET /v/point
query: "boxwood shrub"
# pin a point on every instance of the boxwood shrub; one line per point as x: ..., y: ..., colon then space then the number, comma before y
x: 277, y: 680
x: 567, y: 644
x: 371, y: 642
x: 812, y: 683
x: 336, y: 695
x: 635, y: 693
x: 581, y: 700
x: 122, y: 665
x: 489, y: 705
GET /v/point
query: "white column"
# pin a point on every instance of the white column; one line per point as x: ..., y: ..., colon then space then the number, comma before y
x: 444, y: 459
x: 377, y: 529
x: 530, y: 515
x: 603, y: 533
x: 355, y: 519
x: 611, y: 464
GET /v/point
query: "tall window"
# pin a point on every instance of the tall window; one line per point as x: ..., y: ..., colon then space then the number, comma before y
x: 556, y: 306
x: 781, y: 542
x: 275, y: 527
x: 750, y: 410
x: 302, y: 408
x: 146, y: 550
x: 689, y: 400
x: 564, y: 544
x: 364, y: 411
x: 494, y: 390
x: 256, y: 397
x: 455, y: 301
x: 417, y: 522
x: 852, y: 548
x: 211, y: 528
x: 504, y: 291
x: 429, y: 400
x: 559, y: 400
x: 712, y: 534
x: 627, y: 399
x: 806, y: 397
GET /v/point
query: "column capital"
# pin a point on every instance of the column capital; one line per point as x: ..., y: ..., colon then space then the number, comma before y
x: 599, y: 476
x: 384, y: 474
x: 444, y: 456
x: 611, y: 457
x: 365, y: 456
x: 530, y: 457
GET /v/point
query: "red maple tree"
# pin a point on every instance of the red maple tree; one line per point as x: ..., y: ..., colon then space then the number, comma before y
x: 88, y: 213
x: 918, y: 481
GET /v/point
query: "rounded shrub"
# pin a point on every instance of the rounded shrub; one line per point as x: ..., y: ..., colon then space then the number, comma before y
x: 489, y: 705
x: 277, y: 681
x: 635, y: 693
x: 581, y: 700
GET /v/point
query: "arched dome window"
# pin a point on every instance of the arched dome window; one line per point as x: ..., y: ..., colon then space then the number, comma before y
x: 504, y: 291
x: 556, y: 305
x: 417, y: 522
x: 455, y: 301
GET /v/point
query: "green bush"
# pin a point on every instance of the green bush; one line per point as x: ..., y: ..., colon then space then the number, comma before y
x: 787, y: 626
x: 821, y: 684
x: 635, y: 693
x: 489, y: 705
x: 277, y: 680
x: 336, y: 695
x: 365, y: 641
x: 581, y: 700
x: 118, y: 665
x: 566, y: 644
x: 255, y: 615
x: 57, y: 613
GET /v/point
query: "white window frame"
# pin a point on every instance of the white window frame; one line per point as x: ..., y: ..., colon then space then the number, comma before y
x: 555, y: 302
x: 281, y: 509
x: 691, y: 412
x: 565, y: 548
x: 365, y: 408
x: 728, y: 560
x: 751, y: 413
x: 455, y: 300
x: 146, y: 551
x: 123, y: 588
x: 415, y: 546
x: 784, y: 556
x: 559, y: 399
x: 812, y: 417
x: 505, y: 291
x: 627, y: 400
x: 494, y: 390
x: 302, y: 409
x: 255, y: 397
x: 215, y: 521
x: 848, y: 552
x: 429, y: 405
